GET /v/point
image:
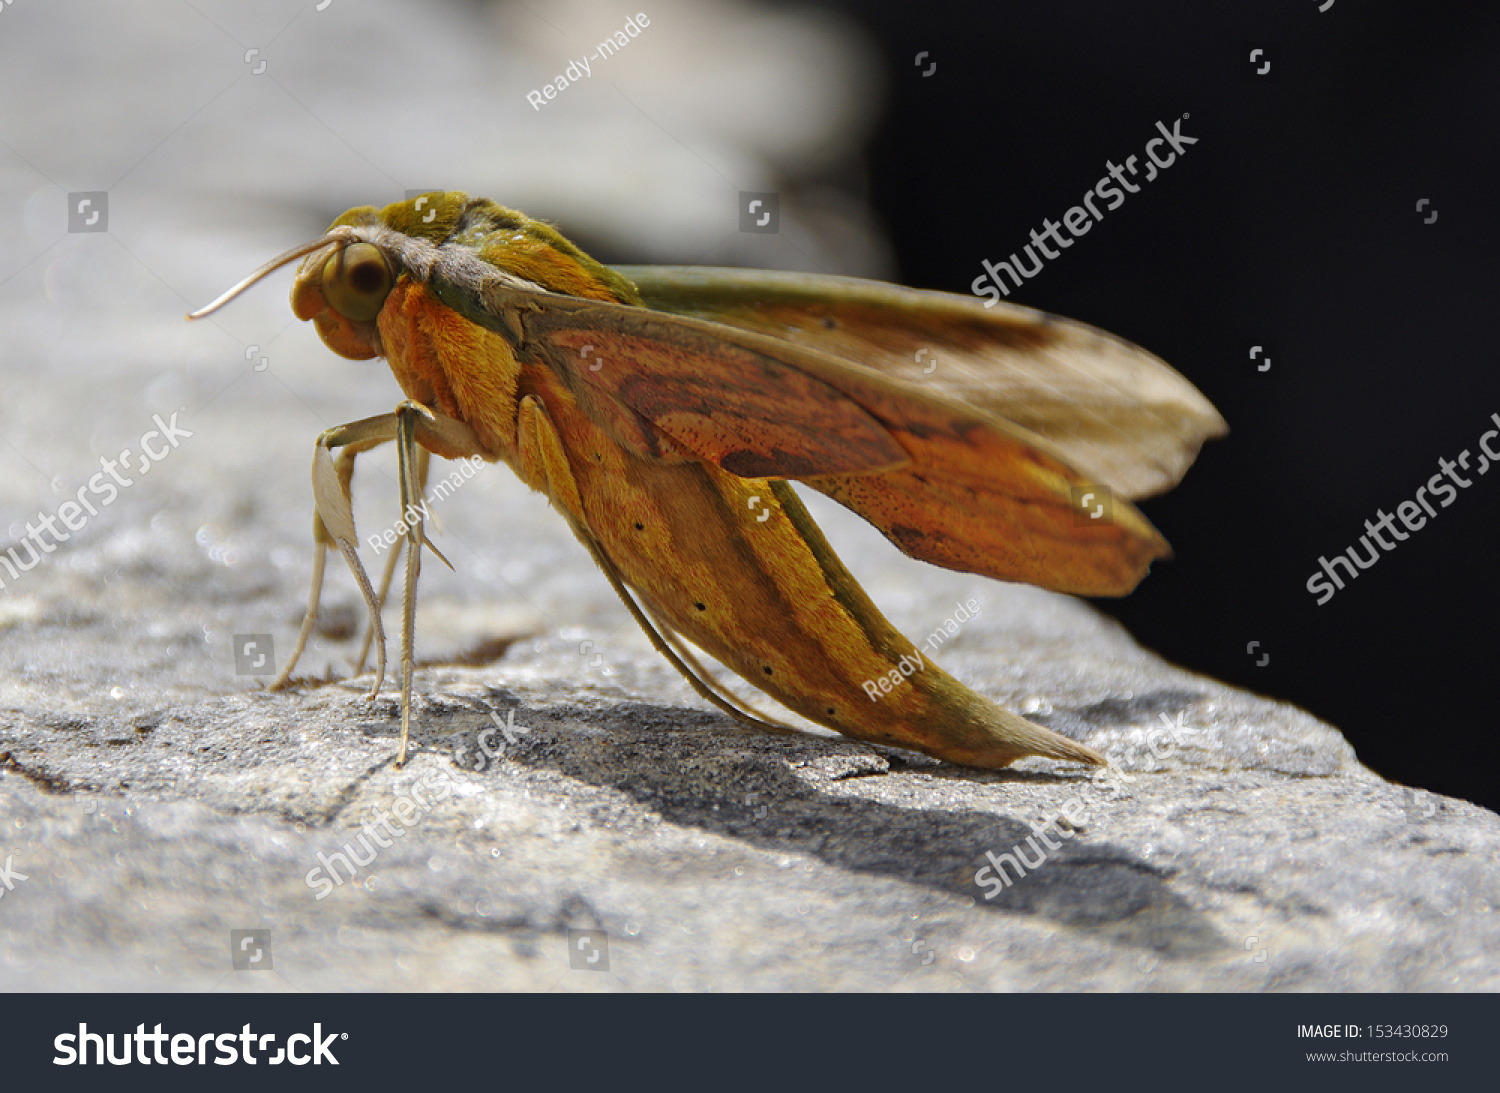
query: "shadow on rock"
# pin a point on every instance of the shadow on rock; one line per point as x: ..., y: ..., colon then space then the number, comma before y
x: 695, y: 770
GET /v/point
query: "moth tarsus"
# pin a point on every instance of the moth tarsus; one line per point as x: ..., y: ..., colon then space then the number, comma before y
x: 664, y: 411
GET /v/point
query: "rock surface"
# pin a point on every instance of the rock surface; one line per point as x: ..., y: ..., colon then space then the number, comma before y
x: 153, y: 800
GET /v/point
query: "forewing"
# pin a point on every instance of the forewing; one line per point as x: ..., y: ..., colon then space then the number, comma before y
x: 1117, y: 414
x: 948, y: 483
x: 971, y: 491
x: 735, y: 401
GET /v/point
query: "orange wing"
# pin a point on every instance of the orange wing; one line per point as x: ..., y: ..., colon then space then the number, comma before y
x: 972, y: 492
x: 1118, y: 414
x: 947, y: 482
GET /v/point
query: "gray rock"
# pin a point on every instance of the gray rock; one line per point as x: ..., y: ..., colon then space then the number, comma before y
x: 153, y: 800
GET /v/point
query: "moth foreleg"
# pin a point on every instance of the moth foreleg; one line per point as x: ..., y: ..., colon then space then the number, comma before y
x: 424, y: 460
x: 331, y: 491
x: 344, y: 472
x: 310, y: 619
x: 413, y: 506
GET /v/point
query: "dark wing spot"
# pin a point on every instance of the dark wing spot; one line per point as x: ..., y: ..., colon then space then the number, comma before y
x: 773, y: 464
x: 907, y: 537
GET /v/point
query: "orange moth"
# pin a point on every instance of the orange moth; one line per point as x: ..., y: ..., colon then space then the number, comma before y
x: 663, y: 410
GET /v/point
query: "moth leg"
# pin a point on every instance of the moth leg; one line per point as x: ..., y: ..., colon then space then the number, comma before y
x: 344, y: 468
x: 310, y: 619
x: 412, y: 498
x: 331, y: 497
x: 380, y: 596
x: 411, y: 425
x: 542, y: 451
x: 424, y: 459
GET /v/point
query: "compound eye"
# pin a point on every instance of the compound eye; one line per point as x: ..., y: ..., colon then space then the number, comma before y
x: 356, y: 281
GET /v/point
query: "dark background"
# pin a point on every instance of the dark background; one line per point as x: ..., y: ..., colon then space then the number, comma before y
x: 1292, y: 221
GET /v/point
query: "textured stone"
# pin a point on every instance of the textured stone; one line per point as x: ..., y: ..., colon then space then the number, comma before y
x: 153, y: 800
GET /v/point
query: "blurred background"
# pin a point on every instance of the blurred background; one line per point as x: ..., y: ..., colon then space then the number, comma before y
x: 892, y: 141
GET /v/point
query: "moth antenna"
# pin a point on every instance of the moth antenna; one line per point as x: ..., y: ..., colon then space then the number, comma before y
x: 338, y: 235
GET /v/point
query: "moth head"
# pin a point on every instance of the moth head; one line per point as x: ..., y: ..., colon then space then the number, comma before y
x: 346, y: 276
x: 342, y: 288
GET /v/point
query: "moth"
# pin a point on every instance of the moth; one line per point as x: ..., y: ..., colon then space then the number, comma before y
x: 665, y: 410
